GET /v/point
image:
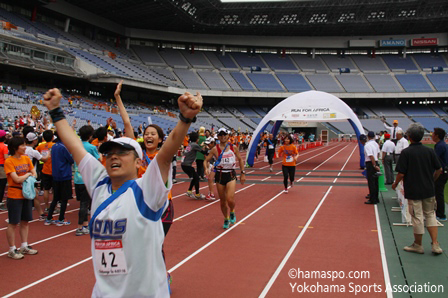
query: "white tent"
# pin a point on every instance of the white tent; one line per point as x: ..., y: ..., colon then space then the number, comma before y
x: 310, y: 106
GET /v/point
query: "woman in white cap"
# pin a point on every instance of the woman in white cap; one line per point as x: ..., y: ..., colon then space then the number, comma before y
x: 225, y: 177
x: 126, y: 210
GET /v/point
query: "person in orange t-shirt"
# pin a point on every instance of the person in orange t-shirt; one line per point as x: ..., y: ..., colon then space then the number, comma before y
x: 47, y: 170
x: 18, y: 168
x: 290, y: 155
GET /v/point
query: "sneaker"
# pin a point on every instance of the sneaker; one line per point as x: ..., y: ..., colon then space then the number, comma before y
x: 232, y: 217
x: 189, y: 193
x: 414, y: 247
x: 270, y: 170
x: 42, y: 217
x: 210, y: 197
x: 199, y: 196
x: 226, y: 224
x: 441, y: 218
x: 83, y: 231
x: 170, y: 280
x: 15, y: 254
x: 28, y: 251
x: 292, y: 183
x: 436, y: 249
x: 286, y: 190
x: 60, y: 223
x: 41, y: 193
x: 174, y: 181
x: 49, y: 222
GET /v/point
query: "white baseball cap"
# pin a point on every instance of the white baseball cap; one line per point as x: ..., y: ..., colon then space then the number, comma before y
x: 223, y: 130
x: 125, y: 142
x: 31, y: 136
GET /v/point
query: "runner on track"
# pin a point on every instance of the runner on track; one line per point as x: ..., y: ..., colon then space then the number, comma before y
x: 225, y: 177
x: 131, y: 221
x: 290, y: 155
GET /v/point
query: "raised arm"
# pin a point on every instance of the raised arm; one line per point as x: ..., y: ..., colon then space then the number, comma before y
x: 71, y: 141
x: 212, y: 153
x: 189, y: 107
x: 129, y: 131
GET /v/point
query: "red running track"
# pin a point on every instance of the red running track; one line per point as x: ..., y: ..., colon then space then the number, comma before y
x: 207, y: 261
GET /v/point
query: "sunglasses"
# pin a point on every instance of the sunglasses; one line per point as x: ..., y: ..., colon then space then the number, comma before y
x: 118, y: 153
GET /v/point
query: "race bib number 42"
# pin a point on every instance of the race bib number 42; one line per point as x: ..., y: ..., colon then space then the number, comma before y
x: 109, y: 257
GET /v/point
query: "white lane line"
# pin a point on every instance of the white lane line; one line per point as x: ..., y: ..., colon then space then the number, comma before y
x: 383, y: 255
x: 222, y: 234
x: 205, y: 206
x: 296, y: 242
x: 228, y: 230
x: 89, y: 258
x: 46, y: 277
x: 34, y: 220
x: 306, y: 153
x: 46, y: 239
x: 266, y: 178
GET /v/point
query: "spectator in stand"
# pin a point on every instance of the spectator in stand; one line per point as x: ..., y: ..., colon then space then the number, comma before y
x: 86, y: 133
x: 419, y: 167
x: 47, y: 171
x: 387, y: 156
x: 18, y: 168
x: 441, y: 149
x: 3, y: 157
x: 35, y: 156
x: 61, y: 161
x: 402, y: 143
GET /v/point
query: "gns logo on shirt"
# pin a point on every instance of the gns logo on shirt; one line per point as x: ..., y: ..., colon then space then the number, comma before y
x: 109, y: 229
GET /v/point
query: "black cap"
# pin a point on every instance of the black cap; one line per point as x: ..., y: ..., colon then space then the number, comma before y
x: 371, y: 134
x: 362, y: 137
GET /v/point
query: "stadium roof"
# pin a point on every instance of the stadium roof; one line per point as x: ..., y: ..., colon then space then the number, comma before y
x: 287, y: 18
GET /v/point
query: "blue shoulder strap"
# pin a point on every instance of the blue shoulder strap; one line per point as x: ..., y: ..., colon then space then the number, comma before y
x: 107, y: 202
x: 220, y: 156
x: 147, y: 158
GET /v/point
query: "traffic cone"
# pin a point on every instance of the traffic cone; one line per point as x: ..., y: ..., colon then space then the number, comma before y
x: 381, y: 185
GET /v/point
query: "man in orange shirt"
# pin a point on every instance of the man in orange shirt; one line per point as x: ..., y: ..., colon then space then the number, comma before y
x: 18, y: 168
x: 290, y: 155
x: 47, y: 170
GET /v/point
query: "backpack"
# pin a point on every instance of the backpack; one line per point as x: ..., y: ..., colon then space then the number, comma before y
x: 28, y: 190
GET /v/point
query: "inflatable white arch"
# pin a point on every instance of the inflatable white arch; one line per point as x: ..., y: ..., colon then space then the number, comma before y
x: 310, y: 106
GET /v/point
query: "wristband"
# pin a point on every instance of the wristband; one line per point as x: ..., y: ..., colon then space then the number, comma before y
x: 186, y: 120
x: 57, y: 114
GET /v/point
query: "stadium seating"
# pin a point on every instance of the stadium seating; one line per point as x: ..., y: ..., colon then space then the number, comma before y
x: 353, y: 83
x: 307, y: 63
x: 439, y: 81
x: 398, y: 63
x: 383, y: 83
x: 426, y: 61
x: 431, y: 123
x: 335, y: 62
x: 279, y: 63
x: 265, y: 82
x: 370, y: 65
x: 413, y: 83
x: 418, y: 111
x: 246, y: 61
x: 324, y: 82
x: 242, y: 81
x: 213, y: 80
x: 294, y: 82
